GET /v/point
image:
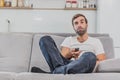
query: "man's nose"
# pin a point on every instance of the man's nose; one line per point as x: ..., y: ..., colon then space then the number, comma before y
x: 79, y: 23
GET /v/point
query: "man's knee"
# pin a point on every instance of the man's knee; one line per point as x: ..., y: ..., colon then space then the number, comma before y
x: 90, y: 55
x: 44, y: 39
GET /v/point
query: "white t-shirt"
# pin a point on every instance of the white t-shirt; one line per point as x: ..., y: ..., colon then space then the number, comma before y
x: 90, y: 45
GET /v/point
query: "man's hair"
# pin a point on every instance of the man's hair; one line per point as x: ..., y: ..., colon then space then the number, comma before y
x: 78, y: 15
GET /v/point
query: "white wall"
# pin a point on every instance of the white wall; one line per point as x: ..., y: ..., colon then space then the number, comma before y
x: 42, y: 20
x: 47, y: 3
x: 108, y: 21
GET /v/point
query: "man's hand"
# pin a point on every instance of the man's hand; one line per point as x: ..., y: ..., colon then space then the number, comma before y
x: 69, y: 53
x: 75, y: 53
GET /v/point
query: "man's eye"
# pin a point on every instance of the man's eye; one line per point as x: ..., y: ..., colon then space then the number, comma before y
x: 82, y: 22
x: 76, y: 22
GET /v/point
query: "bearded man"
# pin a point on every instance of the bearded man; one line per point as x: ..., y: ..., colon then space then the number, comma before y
x: 79, y: 54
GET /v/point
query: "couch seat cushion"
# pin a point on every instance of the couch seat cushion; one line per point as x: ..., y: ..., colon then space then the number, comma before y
x: 7, y: 75
x: 85, y: 76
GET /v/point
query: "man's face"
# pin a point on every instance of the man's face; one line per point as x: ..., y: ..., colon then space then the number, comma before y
x: 80, y: 26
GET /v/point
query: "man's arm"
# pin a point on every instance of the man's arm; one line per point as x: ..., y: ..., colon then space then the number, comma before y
x: 65, y: 52
x: 101, y: 57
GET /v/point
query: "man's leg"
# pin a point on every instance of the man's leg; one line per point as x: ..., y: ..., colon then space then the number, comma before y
x: 85, y: 64
x: 51, y: 52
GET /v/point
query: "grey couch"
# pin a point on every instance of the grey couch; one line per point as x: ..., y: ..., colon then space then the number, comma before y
x: 20, y: 51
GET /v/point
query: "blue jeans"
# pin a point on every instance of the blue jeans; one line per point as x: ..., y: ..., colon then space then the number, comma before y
x: 60, y: 65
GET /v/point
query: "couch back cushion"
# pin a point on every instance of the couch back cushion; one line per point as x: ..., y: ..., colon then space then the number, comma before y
x: 38, y: 60
x: 15, y: 49
x: 108, y: 46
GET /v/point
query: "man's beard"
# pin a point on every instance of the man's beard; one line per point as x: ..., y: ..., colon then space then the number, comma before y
x: 81, y: 33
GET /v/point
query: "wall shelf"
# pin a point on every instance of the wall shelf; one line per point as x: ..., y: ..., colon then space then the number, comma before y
x: 15, y: 8
x: 80, y: 9
x: 29, y: 8
x: 64, y: 8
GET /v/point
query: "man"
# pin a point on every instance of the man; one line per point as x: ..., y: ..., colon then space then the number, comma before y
x: 78, y: 54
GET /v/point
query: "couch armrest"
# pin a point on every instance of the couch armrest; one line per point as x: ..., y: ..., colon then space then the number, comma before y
x: 109, y: 65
